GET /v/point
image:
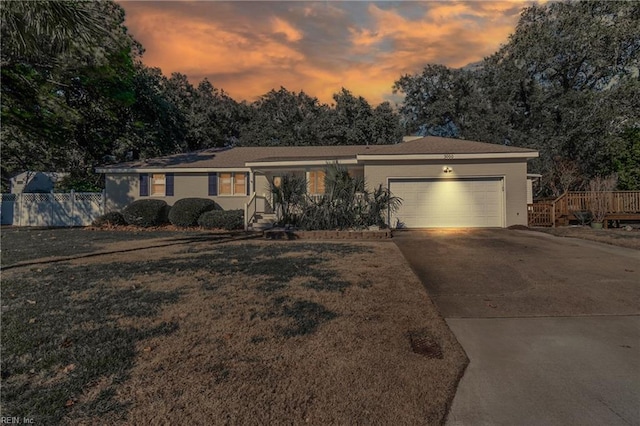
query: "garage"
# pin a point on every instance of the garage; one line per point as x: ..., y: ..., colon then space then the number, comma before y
x: 449, y: 202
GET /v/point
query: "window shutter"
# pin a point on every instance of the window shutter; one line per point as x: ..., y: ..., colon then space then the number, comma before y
x: 144, y: 185
x: 168, y: 181
x: 213, y: 183
x: 247, y: 184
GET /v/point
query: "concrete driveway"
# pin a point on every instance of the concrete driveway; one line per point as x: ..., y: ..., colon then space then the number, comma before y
x: 551, y: 325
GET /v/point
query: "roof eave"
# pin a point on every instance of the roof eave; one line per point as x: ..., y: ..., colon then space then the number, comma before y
x: 301, y: 162
x: 170, y: 169
x: 448, y: 157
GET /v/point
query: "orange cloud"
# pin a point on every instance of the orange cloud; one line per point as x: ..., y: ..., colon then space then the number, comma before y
x: 280, y: 26
x: 454, y: 34
x: 317, y: 47
x: 195, y: 47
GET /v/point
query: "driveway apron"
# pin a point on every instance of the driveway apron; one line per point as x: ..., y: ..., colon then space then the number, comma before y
x: 551, y: 325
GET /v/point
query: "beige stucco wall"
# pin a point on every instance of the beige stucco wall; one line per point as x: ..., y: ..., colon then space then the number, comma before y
x: 514, y: 174
x: 261, y: 184
x: 122, y: 189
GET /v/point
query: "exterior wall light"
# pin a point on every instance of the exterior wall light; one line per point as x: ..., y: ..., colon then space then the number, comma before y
x: 447, y: 169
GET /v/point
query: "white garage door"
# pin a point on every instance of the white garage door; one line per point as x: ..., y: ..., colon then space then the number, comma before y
x: 447, y: 203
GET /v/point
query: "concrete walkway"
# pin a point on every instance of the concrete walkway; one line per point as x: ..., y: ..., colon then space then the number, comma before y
x: 551, y: 325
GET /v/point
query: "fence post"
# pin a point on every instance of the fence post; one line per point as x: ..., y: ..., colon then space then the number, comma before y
x: 73, y: 208
x: 52, y: 202
x: 17, y: 210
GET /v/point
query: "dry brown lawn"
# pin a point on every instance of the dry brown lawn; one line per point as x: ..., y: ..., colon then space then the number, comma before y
x: 613, y: 236
x: 249, y: 332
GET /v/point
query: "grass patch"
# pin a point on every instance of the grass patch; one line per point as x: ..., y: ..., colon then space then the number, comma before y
x: 22, y: 244
x: 55, y: 344
x: 275, y: 265
x: 233, y: 331
x: 305, y: 316
x: 612, y: 236
x: 67, y: 315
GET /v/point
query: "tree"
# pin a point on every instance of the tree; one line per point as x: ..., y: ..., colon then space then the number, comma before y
x: 385, y: 125
x: 214, y: 118
x: 282, y: 118
x: 352, y: 119
x: 566, y: 84
x: 430, y: 105
x: 627, y: 161
x: 565, y: 176
x: 153, y: 124
x: 66, y: 83
x: 47, y: 29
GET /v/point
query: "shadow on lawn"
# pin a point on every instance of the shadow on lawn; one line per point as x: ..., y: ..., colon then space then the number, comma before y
x: 60, y: 337
x: 24, y: 244
x: 63, y: 351
x: 86, y: 249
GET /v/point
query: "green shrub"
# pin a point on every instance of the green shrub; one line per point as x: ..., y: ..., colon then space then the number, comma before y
x: 110, y: 219
x: 222, y: 219
x: 346, y: 203
x: 146, y: 213
x: 185, y: 212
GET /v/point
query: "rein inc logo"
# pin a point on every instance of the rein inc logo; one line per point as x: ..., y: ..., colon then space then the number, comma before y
x: 5, y: 420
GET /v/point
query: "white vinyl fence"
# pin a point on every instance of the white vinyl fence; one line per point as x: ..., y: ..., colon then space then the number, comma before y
x: 52, y: 209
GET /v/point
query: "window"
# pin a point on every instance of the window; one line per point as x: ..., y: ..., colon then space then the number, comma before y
x: 225, y: 183
x: 235, y: 183
x: 239, y: 184
x: 158, y: 184
x: 316, y: 181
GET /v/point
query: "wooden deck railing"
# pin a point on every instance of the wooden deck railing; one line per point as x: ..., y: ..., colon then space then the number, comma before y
x: 563, y: 208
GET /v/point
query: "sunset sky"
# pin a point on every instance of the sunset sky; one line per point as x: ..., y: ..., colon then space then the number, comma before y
x: 248, y: 48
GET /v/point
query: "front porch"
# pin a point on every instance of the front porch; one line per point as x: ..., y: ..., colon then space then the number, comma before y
x: 260, y: 212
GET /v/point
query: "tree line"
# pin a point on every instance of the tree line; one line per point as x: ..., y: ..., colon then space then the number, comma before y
x: 75, y: 94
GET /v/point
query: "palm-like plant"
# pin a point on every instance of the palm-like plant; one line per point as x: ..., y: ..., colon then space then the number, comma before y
x: 382, y: 205
x: 342, y: 206
x: 35, y: 29
x: 345, y: 204
x: 288, y: 197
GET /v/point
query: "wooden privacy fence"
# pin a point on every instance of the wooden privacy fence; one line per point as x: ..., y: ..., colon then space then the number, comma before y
x: 620, y: 205
x: 51, y: 209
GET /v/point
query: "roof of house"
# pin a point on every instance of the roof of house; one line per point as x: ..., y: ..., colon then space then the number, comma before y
x: 238, y: 157
x: 438, y: 145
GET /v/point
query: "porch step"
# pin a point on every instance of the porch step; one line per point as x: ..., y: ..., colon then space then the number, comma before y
x: 261, y: 226
x: 265, y: 216
x: 263, y: 221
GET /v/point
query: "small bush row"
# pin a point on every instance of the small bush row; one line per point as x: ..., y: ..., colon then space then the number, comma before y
x: 146, y: 213
x: 184, y: 213
x: 222, y: 219
x: 110, y: 219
